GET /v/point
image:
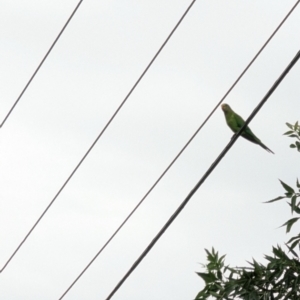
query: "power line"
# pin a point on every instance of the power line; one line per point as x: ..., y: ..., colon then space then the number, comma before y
x: 207, y: 173
x: 41, y: 63
x: 178, y: 155
x: 99, y: 136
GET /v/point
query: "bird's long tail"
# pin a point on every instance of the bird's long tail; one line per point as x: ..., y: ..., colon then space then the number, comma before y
x: 266, y: 148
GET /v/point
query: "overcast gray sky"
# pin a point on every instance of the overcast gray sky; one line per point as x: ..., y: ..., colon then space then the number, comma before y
x: 101, y: 54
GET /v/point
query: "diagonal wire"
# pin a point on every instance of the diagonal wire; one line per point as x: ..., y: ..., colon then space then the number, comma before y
x: 206, y: 174
x: 41, y: 63
x: 179, y: 154
x: 99, y: 136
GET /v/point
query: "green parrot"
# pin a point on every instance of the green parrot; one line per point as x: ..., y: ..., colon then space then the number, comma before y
x: 235, y: 122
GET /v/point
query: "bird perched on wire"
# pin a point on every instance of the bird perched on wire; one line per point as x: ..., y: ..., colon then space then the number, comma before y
x: 235, y: 123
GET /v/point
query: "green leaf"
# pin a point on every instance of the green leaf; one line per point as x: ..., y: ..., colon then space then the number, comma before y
x: 292, y: 146
x: 276, y: 199
x: 289, y: 224
x: 210, y: 255
x: 289, y: 125
x: 294, y: 238
x: 294, y: 244
x: 222, y: 258
x: 287, y: 187
x: 279, y: 253
x: 298, y: 184
x: 293, y: 203
x: 269, y: 258
x: 202, y: 295
x: 293, y: 135
x: 207, y: 277
x: 288, y: 132
x: 215, y: 295
x: 296, y: 209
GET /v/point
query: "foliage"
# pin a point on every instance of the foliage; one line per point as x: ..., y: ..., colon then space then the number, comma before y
x: 294, y: 203
x: 278, y: 279
x: 294, y: 133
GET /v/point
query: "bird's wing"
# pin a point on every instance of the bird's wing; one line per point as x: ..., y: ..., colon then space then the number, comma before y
x: 239, y: 120
x: 247, y: 132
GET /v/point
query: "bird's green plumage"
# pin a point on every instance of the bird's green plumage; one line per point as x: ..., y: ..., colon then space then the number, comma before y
x: 235, y: 122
